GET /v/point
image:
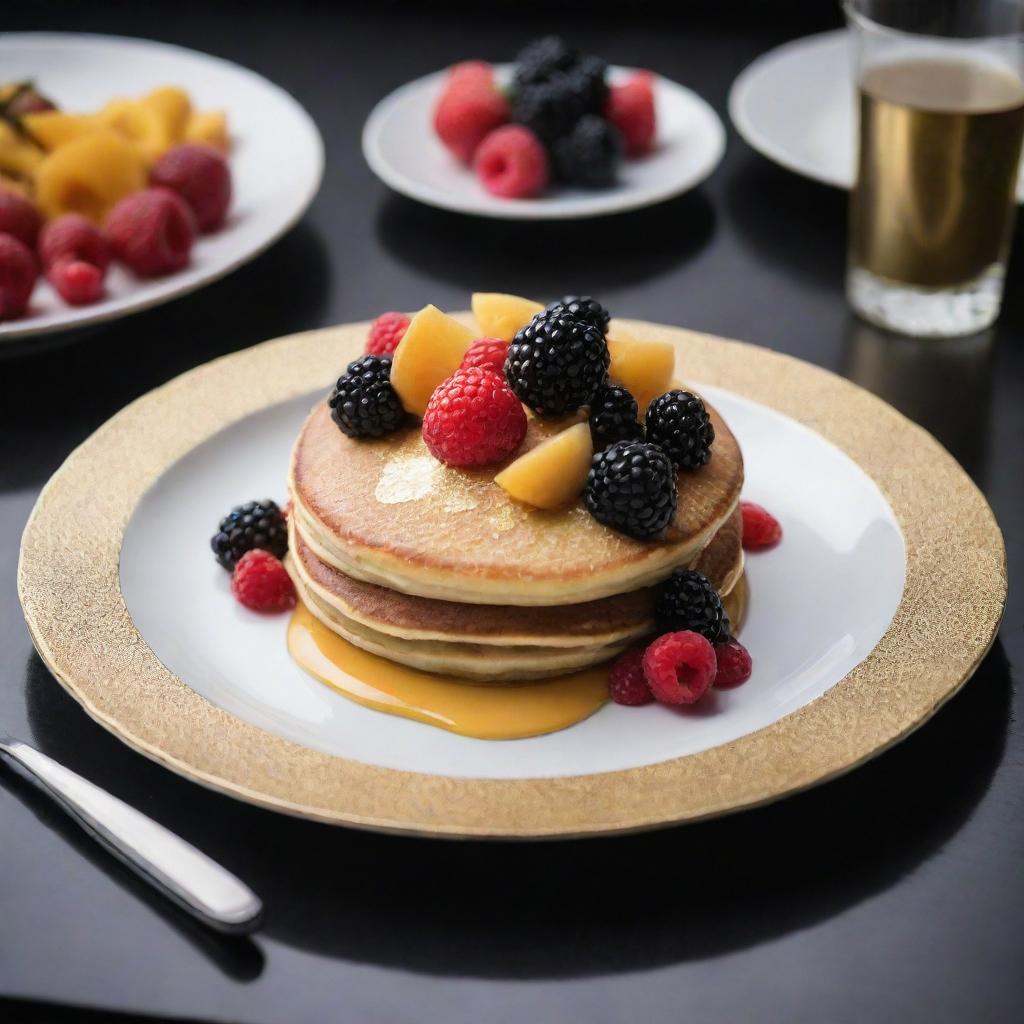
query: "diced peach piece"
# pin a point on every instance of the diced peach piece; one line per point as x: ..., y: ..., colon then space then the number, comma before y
x: 89, y: 175
x: 431, y: 351
x: 644, y: 368
x: 554, y: 473
x: 173, y: 107
x: 209, y: 127
x: 140, y: 124
x: 18, y: 157
x: 500, y: 315
x: 53, y: 128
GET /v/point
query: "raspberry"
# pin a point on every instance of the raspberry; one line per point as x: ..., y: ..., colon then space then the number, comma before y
x: 78, y: 283
x: 465, y: 114
x: 760, y: 528
x: 18, y: 275
x: 73, y: 237
x: 19, y: 217
x: 512, y: 163
x: 201, y: 176
x: 734, y: 664
x: 488, y: 354
x: 680, y: 667
x: 385, y: 334
x: 261, y: 582
x: 630, y: 108
x: 473, y: 419
x: 152, y: 231
x: 627, y: 683
x: 470, y: 73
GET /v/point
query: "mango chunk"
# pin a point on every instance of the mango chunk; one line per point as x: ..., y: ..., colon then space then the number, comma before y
x: 89, y: 175
x: 431, y: 351
x: 500, y: 315
x: 53, y: 128
x: 554, y: 473
x: 18, y: 157
x: 173, y: 107
x: 140, y: 124
x: 644, y: 368
x: 209, y: 127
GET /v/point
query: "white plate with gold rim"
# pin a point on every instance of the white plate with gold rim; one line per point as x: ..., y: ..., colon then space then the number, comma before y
x: 848, y: 623
x: 276, y: 159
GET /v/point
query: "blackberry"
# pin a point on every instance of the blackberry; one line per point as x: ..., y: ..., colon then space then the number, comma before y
x: 549, y: 108
x: 363, y: 402
x: 590, y: 155
x: 687, y: 600
x: 555, y: 364
x: 588, y: 78
x: 538, y: 60
x: 581, y: 307
x: 613, y: 417
x: 678, y: 421
x: 256, y: 524
x: 631, y: 487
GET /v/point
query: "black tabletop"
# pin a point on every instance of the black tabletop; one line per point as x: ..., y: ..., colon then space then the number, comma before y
x: 893, y: 894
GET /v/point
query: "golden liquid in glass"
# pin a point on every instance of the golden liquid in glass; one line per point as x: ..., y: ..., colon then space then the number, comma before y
x: 935, y: 195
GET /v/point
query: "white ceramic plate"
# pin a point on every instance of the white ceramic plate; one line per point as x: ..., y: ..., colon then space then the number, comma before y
x: 276, y: 159
x: 835, y: 581
x: 402, y: 150
x: 796, y: 105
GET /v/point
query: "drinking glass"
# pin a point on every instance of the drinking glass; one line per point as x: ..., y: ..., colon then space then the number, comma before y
x: 940, y: 88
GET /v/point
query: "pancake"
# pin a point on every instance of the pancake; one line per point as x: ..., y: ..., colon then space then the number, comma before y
x: 479, y: 663
x: 410, y: 617
x: 386, y: 512
x: 474, y: 662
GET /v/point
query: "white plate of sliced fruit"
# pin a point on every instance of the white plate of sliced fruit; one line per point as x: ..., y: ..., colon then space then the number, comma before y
x: 133, y: 172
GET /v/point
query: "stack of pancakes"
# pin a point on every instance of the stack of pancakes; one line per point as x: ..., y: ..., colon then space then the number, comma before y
x: 439, y: 569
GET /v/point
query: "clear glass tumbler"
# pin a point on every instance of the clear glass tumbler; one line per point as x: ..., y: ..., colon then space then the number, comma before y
x: 940, y: 88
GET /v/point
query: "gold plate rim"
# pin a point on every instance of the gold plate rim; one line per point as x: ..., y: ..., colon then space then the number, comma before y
x: 68, y: 585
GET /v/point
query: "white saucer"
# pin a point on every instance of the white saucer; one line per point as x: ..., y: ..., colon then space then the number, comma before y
x: 796, y: 105
x: 402, y: 150
x: 276, y: 160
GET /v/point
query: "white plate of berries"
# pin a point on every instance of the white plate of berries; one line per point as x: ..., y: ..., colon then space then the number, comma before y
x: 555, y: 135
x: 133, y: 172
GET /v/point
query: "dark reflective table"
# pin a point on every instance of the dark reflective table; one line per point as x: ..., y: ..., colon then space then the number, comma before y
x: 893, y: 894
